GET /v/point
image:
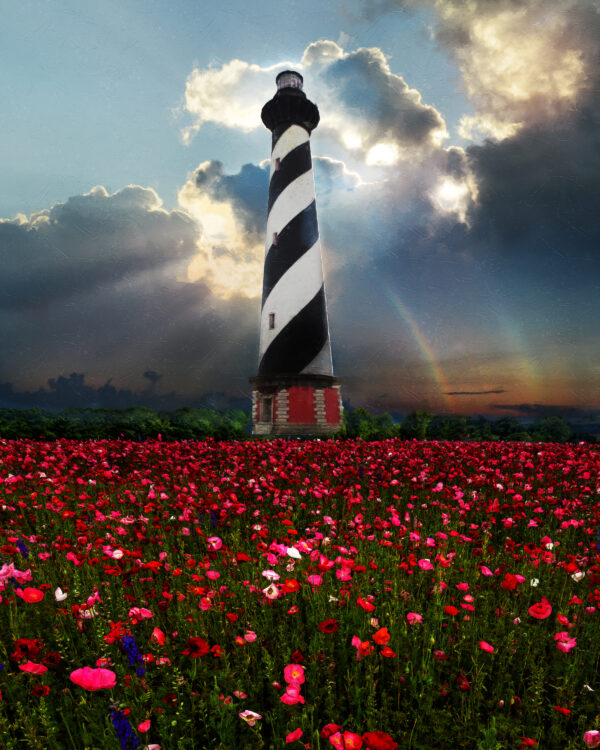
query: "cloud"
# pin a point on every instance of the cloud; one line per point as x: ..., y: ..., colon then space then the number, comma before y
x: 88, y: 241
x: 523, y: 62
x: 539, y: 189
x: 371, y: 109
x: 232, y: 212
x: 473, y: 393
x: 228, y: 96
x: 365, y: 107
x: 98, y: 285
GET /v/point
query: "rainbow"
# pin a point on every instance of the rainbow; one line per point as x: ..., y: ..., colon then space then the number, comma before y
x: 422, y: 343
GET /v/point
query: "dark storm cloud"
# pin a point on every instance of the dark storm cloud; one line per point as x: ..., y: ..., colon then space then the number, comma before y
x: 86, y: 242
x: 363, y: 83
x: 98, y: 286
x: 544, y: 181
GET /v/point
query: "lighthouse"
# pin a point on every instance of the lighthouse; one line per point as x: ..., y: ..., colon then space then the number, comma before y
x: 295, y: 391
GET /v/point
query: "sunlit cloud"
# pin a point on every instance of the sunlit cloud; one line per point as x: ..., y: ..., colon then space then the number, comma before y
x: 229, y: 259
x: 383, y: 154
x: 228, y: 96
x: 365, y: 108
x: 521, y: 63
x: 451, y: 196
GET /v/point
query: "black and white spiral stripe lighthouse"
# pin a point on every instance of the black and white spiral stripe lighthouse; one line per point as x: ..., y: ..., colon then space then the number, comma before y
x: 295, y: 391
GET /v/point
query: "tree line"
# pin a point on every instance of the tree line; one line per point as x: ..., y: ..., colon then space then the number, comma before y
x: 188, y: 423
x: 421, y: 425
x: 135, y: 423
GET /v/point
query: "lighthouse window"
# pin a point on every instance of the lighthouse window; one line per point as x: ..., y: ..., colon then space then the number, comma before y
x: 271, y: 320
x: 277, y: 163
x: 274, y: 238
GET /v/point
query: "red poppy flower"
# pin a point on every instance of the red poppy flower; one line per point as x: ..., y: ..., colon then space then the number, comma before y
x: 52, y: 658
x: 39, y: 691
x: 328, y: 626
x: 366, y: 605
x: 31, y: 595
x: 27, y: 648
x: 196, y: 647
x: 541, y: 610
x: 450, y: 610
x: 381, y: 637
x: 379, y: 741
x: 561, y: 710
x: 463, y: 683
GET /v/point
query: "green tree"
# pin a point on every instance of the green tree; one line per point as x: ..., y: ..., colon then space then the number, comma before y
x: 507, y: 428
x: 415, y: 425
x: 553, y: 430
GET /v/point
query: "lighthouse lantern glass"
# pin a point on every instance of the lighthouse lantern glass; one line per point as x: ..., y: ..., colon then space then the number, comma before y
x: 289, y: 80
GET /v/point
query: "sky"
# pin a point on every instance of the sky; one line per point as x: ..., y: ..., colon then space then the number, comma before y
x: 457, y: 171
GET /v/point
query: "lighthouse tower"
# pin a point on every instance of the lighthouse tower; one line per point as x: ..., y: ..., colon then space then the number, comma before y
x: 295, y: 392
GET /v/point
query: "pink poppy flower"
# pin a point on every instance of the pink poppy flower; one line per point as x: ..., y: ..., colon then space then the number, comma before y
x: 315, y: 580
x: 486, y: 647
x: 250, y: 717
x: 347, y: 741
x: 592, y: 738
x: 144, y: 726
x: 214, y: 543
x: 33, y: 668
x: 413, y: 618
x: 564, y: 643
x: 140, y: 613
x: 294, y: 673
x: 271, y: 592
x: 292, y: 695
x: 94, y: 679
x: 295, y: 735
x: 425, y: 564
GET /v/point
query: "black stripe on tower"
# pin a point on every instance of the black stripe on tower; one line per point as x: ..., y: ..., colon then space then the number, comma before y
x: 299, y: 342
x: 297, y: 162
x: 296, y: 238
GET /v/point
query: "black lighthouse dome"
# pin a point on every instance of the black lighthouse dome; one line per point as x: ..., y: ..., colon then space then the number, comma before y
x: 290, y: 106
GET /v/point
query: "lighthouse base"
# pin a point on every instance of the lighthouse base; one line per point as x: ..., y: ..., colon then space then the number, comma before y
x: 296, y: 405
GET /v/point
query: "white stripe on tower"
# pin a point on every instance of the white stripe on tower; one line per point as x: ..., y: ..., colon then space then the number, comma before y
x: 294, y: 332
x: 297, y: 196
x: 293, y: 136
x: 286, y: 298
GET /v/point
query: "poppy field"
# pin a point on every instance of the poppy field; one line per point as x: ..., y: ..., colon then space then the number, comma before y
x: 301, y: 594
